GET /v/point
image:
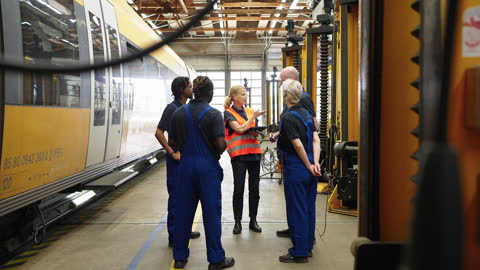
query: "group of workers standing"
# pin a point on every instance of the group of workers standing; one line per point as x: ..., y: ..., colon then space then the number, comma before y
x: 198, y: 135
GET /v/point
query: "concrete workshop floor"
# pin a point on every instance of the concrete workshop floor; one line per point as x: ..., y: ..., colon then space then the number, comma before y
x: 128, y: 231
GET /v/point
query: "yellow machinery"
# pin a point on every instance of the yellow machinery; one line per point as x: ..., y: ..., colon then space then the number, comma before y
x: 337, y: 97
x: 414, y: 138
x: 344, y: 120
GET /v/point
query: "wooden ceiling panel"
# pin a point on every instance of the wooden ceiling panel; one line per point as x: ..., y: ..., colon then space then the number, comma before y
x: 250, y: 18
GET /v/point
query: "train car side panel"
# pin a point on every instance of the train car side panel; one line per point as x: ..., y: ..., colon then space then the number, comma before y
x: 43, y: 144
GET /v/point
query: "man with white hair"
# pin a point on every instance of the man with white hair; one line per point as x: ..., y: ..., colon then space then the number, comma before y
x: 306, y: 100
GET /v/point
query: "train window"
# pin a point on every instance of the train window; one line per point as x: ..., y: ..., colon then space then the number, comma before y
x: 134, y: 76
x: 116, y: 83
x: 49, y: 31
x: 100, y: 98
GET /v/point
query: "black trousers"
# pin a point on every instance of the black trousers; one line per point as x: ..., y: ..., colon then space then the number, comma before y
x: 240, y: 168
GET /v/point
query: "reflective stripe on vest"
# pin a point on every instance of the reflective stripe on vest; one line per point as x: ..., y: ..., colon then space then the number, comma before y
x: 242, y: 144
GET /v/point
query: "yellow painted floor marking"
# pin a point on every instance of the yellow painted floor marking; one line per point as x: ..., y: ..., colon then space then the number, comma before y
x: 198, y: 213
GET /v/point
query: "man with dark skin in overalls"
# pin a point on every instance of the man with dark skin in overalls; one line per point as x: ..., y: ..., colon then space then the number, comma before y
x: 181, y: 91
x: 197, y: 131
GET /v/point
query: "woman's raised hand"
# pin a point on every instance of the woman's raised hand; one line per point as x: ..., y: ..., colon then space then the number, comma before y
x: 258, y: 113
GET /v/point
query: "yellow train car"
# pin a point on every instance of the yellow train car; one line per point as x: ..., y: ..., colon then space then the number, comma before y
x: 62, y: 130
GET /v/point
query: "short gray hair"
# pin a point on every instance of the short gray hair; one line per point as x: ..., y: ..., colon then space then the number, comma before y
x: 292, y: 91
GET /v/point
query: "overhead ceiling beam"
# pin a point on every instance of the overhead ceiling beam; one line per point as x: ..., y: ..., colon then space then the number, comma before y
x: 203, y: 38
x: 244, y: 4
x: 241, y: 11
x: 183, y: 6
x: 241, y: 29
x: 242, y: 18
x: 206, y: 53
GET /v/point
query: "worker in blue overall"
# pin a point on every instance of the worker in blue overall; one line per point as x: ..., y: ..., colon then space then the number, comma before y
x: 199, y: 135
x: 181, y: 91
x: 300, y: 149
x: 305, y: 102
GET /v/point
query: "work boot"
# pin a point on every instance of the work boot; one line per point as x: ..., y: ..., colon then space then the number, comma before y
x: 254, y: 226
x: 238, y: 227
x: 180, y: 264
x: 194, y: 235
x: 287, y: 258
x: 225, y: 263
x: 283, y: 233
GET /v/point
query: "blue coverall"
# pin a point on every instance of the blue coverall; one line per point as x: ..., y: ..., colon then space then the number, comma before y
x: 199, y: 178
x: 300, y: 194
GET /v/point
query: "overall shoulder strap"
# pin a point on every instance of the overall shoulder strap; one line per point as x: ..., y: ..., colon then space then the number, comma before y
x: 203, y: 112
x: 298, y: 116
x: 187, y: 113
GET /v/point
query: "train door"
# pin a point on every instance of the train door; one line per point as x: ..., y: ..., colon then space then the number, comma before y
x: 115, y: 109
x: 100, y: 85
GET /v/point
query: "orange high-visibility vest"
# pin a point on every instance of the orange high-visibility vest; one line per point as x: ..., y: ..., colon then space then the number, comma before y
x: 242, y: 144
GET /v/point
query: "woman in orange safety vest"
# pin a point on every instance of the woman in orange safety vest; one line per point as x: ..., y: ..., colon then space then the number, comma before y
x: 245, y: 153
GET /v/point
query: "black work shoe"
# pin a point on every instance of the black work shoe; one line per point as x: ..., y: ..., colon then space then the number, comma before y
x: 180, y: 264
x: 238, y: 227
x: 287, y: 258
x: 283, y: 233
x: 170, y: 243
x: 254, y: 226
x: 194, y: 235
x: 226, y: 263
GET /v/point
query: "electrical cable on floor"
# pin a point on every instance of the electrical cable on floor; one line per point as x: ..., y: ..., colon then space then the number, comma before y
x: 325, y: 223
x: 52, y: 68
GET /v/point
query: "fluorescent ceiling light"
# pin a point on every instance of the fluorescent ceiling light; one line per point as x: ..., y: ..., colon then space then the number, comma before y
x: 274, y: 22
x: 151, y: 23
x: 294, y: 4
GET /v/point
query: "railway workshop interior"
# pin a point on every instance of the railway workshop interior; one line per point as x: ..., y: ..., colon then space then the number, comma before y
x: 242, y: 134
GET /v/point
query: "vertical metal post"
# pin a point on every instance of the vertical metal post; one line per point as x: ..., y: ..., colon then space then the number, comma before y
x: 333, y: 96
x: 228, y: 75
x: 344, y: 67
x: 269, y: 102
x: 274, y: 98
x: 370, y: 107
x: 264, y: 80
